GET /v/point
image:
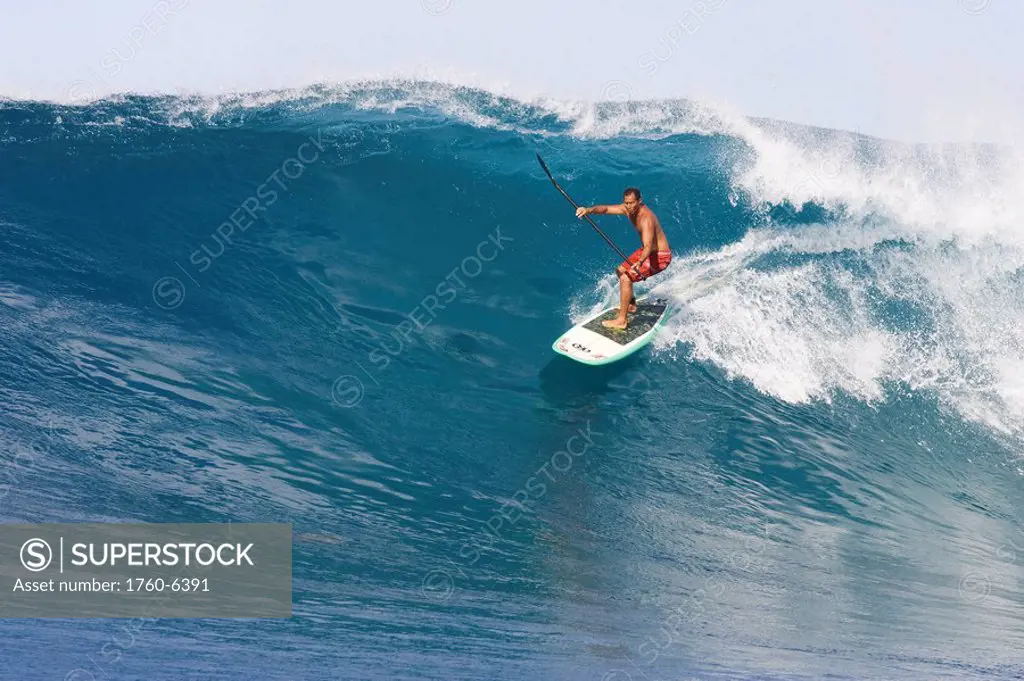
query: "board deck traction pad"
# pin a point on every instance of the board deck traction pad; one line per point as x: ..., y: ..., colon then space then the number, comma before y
x: 640, y: 322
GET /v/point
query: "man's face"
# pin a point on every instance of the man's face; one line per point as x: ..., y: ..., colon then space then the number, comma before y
x: 631, y: 203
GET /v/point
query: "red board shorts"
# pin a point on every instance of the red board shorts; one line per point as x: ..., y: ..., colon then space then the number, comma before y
x: 657, y: 261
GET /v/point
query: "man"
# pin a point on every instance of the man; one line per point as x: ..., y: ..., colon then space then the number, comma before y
x: 653, y: 257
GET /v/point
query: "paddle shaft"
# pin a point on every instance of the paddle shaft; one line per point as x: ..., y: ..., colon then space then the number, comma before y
x: 587, y: 217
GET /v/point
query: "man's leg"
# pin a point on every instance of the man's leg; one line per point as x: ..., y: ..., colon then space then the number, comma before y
x: 625, y: 295
x: 633, y: 259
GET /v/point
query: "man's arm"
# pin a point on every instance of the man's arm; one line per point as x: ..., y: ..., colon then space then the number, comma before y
x: 616, y: 209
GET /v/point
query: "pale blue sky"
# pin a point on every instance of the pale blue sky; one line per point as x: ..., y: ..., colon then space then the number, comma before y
x: 910, y: 69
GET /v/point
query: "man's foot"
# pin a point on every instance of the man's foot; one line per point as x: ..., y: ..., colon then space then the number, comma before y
x: 615, y: 324
x: 632, y: 307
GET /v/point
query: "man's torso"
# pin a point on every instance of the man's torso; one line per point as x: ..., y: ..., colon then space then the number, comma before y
x: 660, y: 240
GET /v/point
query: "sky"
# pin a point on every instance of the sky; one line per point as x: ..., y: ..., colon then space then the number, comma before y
x: 914, y: 70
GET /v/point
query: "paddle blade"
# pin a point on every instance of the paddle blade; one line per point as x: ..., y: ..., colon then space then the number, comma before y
x: 544, y: 166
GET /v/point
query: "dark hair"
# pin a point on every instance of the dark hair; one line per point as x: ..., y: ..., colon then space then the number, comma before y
x: 631, y: 190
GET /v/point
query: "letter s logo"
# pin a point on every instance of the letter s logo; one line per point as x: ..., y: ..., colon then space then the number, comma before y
x: 38, y: 554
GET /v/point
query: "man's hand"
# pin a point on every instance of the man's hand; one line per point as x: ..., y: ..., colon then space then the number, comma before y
x: 636, y: 267
x: 581, y: 211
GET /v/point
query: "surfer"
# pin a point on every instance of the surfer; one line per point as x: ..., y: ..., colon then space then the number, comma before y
x: 653, y: 257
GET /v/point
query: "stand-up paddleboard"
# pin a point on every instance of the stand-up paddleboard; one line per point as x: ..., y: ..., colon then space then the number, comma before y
x: 591, y: 342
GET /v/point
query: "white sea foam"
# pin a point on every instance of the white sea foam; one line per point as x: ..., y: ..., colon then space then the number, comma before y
x: 921, y: 284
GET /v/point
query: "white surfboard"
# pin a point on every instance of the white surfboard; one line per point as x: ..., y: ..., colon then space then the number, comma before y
x: 590, y: 342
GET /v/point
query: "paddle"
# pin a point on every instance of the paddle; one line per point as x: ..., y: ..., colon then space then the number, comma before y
x: 587, y: 217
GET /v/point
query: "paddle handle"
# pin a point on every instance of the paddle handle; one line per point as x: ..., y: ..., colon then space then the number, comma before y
x: 593, y: 224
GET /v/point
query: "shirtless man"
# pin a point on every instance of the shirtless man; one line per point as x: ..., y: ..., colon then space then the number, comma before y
x: 653, y: 257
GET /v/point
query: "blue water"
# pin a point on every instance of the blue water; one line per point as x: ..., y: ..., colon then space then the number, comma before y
x: 335, y: 308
